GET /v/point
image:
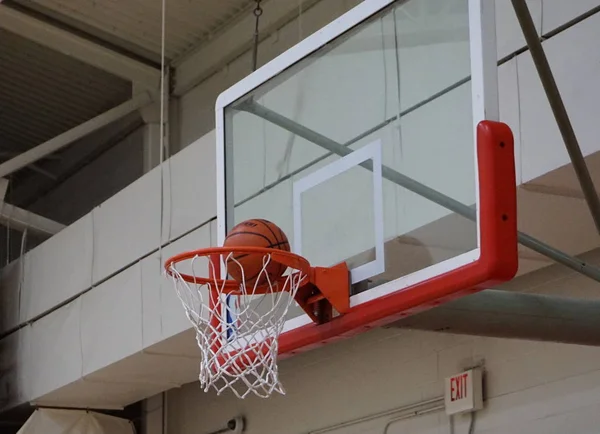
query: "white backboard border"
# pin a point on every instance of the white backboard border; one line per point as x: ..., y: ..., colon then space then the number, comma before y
x: 372, y: 152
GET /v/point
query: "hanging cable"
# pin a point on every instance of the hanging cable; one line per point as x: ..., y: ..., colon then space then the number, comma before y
x: 257, y: 13
x: 8, y: 228
x: 162, y: 141
x: 472, y: 424
x: 300, y: 12
x: 22, y: 267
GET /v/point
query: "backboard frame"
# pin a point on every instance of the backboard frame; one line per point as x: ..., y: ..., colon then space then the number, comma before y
x: 495, y: 192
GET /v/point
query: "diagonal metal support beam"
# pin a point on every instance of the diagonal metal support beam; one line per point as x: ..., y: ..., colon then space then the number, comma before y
x: 80, y: 131
x: 33, y: 167
x: 79, y: 48
x: 416, y: 187
x: 558, y: 108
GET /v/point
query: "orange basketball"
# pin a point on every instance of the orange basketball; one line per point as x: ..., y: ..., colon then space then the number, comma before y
x: 255, y: 233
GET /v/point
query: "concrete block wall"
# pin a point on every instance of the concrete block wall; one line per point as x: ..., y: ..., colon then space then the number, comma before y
x: 530, y: 387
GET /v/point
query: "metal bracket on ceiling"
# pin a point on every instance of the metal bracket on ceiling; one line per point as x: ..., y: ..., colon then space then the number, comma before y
x: 258, y: 11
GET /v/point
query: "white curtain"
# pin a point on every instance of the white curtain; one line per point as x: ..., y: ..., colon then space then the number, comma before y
x: 47, y: 421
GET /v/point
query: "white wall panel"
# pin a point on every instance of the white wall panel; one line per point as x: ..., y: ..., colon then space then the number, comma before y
x: 526, y: 384
x: 426, y: 424
x: 580, y: 90
x: 15, y: 366
x: 10, y: 286
x: 55, y: 345
x: 111, y: 325
x: 25, y: 379
x: 528, y: 410
x: 558, y: 12
x: 191, y: 199
x: 154, y: 299
x: 127, y: 226
x: 163, y: 314
x: 58, y: 269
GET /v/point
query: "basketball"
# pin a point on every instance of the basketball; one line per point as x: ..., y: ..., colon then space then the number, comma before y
x: 255, y: 233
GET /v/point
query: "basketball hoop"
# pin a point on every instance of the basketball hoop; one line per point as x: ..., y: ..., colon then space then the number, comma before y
x: 238, y: 322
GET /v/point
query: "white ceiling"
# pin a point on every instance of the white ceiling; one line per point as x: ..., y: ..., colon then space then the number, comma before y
x: 135, y: 25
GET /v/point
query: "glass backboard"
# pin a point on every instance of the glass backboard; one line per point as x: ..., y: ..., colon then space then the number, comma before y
x: 361, y: 143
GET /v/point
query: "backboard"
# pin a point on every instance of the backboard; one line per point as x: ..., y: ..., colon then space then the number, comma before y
x: 364, y: 144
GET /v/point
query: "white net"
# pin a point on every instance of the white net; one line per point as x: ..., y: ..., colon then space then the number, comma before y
x: 237, y: 331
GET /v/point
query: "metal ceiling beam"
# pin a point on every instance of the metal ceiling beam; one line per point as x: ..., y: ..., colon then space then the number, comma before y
x: 506, y: 314
x: 79, y: 48
x: 80, y: 131
x: 4, y: 154
x: 20, y: 219
x: 11, y: 154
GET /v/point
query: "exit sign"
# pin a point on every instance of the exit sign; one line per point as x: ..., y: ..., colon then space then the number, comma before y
x: 463, y: 392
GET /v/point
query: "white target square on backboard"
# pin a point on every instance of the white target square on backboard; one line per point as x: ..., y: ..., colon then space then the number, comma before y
x: 350, y: 190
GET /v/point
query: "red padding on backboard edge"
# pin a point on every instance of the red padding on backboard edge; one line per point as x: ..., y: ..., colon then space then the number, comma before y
x: 498, y: 261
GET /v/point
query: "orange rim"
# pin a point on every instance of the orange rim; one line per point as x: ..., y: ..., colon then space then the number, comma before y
x: 288, y: 259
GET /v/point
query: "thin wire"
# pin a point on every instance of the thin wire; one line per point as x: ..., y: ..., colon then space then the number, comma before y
x: 283, y: 166
x: 264, y: 140
x: 257, y: 13
x: 8, y: 226
x: 472, y: 423
x: 399, y: 82
x: 162, y: 115
x: 300, y: 13
x: 22, y: 266
x: 521, y: 123
x: 385, y: 74
x: 385, y: 105
x: 162, y: 143
x: 399, y: 193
